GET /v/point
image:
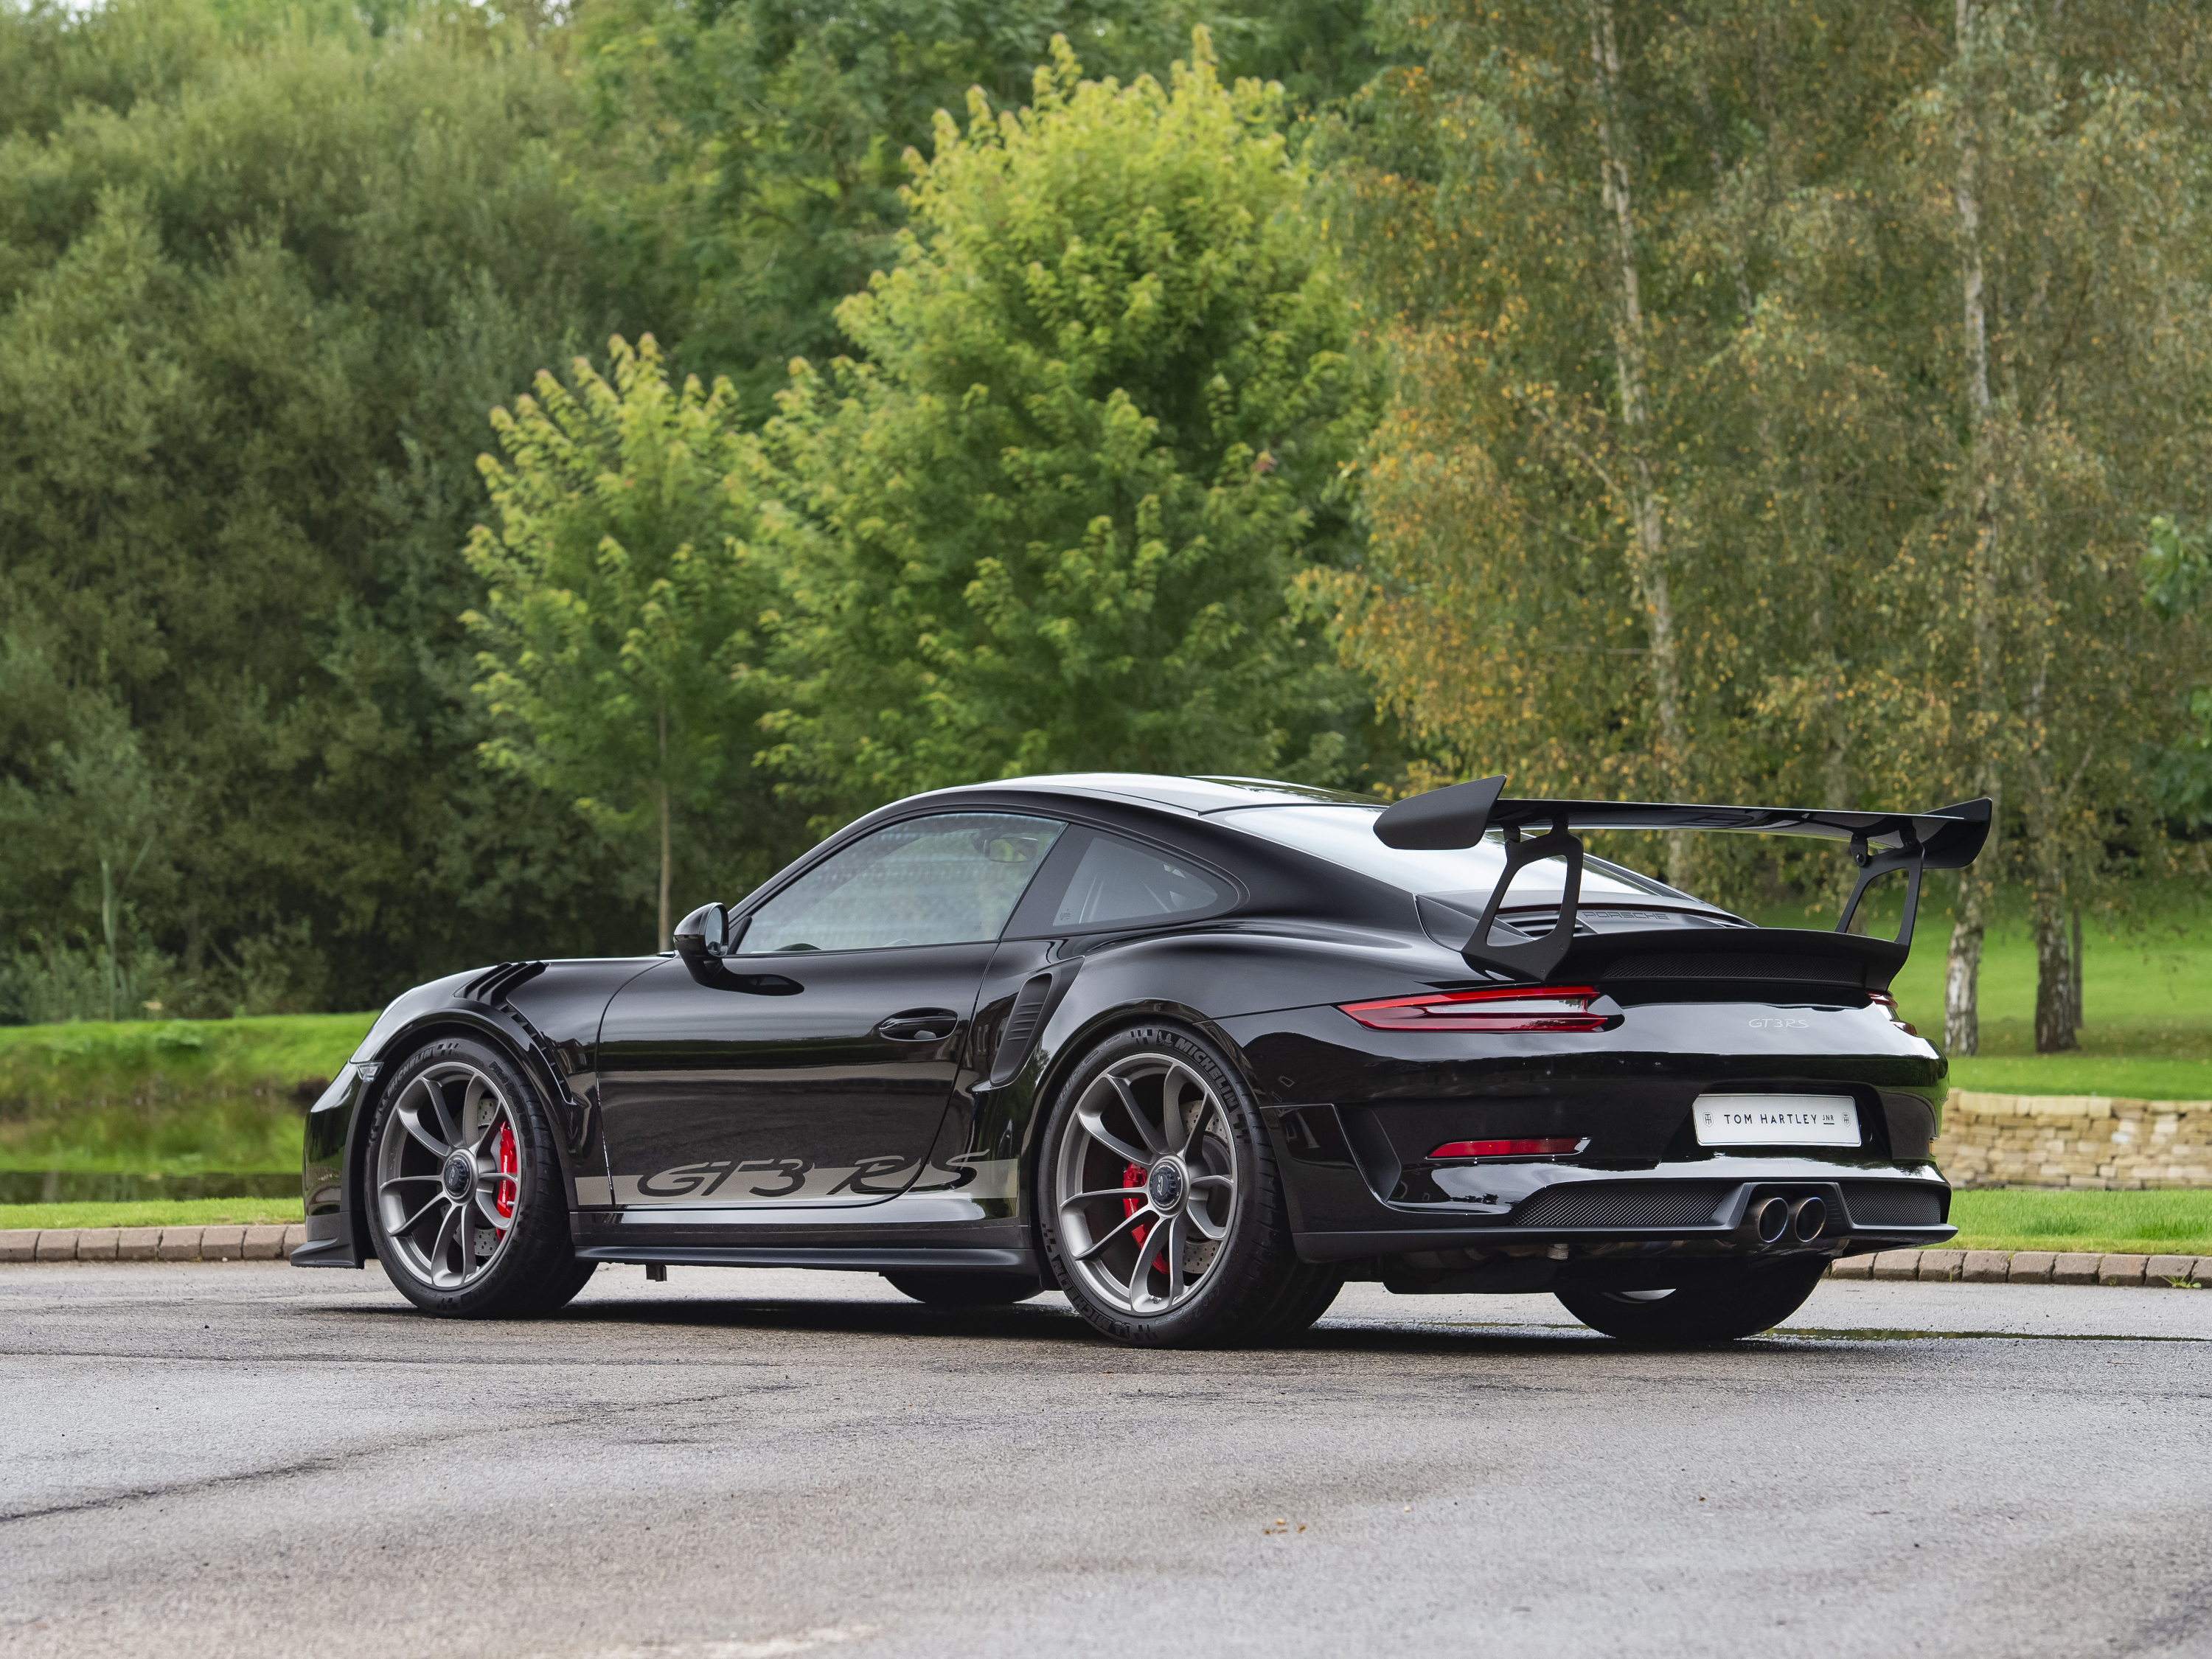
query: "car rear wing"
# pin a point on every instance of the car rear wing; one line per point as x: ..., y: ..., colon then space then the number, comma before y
x: 1460, y: 815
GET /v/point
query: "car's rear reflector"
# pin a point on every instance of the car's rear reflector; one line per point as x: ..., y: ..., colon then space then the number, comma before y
x: 1508, y: 1008
x: 1548, y: 1146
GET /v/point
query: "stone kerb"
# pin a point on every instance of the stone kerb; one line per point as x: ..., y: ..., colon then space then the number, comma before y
x: 2075, y: 1141
x: 259, y: 1243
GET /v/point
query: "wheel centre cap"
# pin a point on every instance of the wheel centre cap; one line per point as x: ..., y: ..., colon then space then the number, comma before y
x: 1165, y: 1186
x: 458, y: 1175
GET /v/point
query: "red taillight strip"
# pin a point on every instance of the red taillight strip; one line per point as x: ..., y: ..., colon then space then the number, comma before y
x: 1546, y: 1146
x: 1506, y: 1008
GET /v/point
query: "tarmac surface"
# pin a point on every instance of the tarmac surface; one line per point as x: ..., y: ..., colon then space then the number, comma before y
x: 248, y: 1459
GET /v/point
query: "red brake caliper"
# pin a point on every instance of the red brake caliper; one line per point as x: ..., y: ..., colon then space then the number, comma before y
x: 1134, y: 1175
x: 503, y: 1199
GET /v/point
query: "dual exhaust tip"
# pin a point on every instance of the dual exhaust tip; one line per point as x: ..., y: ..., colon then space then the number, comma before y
x: 1771, y: 1221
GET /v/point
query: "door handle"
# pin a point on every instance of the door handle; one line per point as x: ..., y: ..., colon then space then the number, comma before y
x: 920, y: 1025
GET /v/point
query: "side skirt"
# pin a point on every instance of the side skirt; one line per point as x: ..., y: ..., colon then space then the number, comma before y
x: 850, y: 1259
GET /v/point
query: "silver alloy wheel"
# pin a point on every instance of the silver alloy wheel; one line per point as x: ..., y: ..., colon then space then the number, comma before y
x: 1147, y: 1184
x: 448, y: 1175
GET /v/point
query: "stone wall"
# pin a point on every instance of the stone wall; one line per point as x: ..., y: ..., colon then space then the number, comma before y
x: 2075, y: 1141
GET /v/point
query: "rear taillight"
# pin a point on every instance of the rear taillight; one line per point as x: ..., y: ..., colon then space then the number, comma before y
x: 1549, y: 1146
x: 1508, y: 1008
x: 1883, y: 999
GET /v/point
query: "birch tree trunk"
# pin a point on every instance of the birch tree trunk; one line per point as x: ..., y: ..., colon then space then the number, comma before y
x: 1646, y: 508
x: 1962, y: 971
x: 2054, y: 971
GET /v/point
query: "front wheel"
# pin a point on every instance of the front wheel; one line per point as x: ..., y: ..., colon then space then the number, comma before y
x: 463, y: 1188
x: 1742, y: 1303
x: 1161, y: 1209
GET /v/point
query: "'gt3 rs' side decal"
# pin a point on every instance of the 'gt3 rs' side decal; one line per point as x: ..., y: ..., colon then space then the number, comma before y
x: 726, y: 1182
x: 762, y: 1182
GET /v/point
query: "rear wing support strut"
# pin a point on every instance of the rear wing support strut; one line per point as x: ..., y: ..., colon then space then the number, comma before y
x: 1910, y: 858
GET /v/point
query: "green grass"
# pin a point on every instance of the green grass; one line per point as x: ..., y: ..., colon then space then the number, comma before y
x: 161, y: 1213
x: 2146, y: 991
x: 176, y: 1097
x: 145, y: 1062
x: 2087, y: 1074
x: 2163, y: 1222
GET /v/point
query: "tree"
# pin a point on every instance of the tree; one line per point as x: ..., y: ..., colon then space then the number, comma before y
x: 1107, y: 405
x: 261, y: 276
x: 1618, y: 264
x: 623, y: 589
x: 1746, y: 437
x: 87, y: 804
x: 743, y: 159
x: 2066, y: 139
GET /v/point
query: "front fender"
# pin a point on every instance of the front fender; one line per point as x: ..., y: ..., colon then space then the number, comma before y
x: 545, y: 1021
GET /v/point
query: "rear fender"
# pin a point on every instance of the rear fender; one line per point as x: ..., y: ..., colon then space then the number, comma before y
x: 1166, y: 981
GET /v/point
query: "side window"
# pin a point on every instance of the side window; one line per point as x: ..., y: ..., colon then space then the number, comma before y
x: 1116, y: 882
x: 952, y: 879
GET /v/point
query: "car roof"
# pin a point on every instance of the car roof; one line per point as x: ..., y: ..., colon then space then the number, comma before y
x: 1197, y: 794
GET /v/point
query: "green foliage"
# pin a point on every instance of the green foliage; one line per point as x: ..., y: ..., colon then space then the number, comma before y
x: 622, y: 591
x: 1693, y: 480
x: 264, y: 266
x: 259, y: 283
x: 2177, y: 573
x: 1049, y: 523
x: 2177, y: 569
x: 745, y: 160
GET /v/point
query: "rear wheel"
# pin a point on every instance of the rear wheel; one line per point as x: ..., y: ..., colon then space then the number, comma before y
x: 1752, y: 1299
x: 463, y: 1188
x: 1160, y: 1210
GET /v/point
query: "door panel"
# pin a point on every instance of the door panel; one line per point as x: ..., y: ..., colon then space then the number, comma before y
x: 718, y: 1099
x: 721, y: 1097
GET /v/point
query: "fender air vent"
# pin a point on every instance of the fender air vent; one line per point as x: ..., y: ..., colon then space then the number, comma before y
x: 494, y: 983
x: 1021, y: 1028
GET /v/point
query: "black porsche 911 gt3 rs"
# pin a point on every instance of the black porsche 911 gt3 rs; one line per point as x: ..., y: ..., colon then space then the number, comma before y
x: 1193, y: 1050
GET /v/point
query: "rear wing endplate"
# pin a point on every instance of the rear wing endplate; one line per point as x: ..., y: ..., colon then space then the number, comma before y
x: 1461, y: 814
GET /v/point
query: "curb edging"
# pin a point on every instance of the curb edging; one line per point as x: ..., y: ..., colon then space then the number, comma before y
x: 272, y: 1243
x: 260, y: 1243
x: 2029, y: 1267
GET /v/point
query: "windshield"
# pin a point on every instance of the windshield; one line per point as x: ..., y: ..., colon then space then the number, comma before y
x: 1345, y: 836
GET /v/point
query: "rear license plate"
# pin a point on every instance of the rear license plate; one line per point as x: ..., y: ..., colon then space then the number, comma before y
x: 1776, y: 1121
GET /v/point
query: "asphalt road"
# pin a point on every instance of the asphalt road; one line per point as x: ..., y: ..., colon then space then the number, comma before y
x: 253, y: 1459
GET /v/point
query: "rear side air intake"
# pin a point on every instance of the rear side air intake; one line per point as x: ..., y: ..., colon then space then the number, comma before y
x: 1021, y: 1028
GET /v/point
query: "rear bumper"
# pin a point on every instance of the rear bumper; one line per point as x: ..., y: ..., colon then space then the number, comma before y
x: 1700, y: 1209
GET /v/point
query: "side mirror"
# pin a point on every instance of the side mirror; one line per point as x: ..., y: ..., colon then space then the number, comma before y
x: 704, y: 937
